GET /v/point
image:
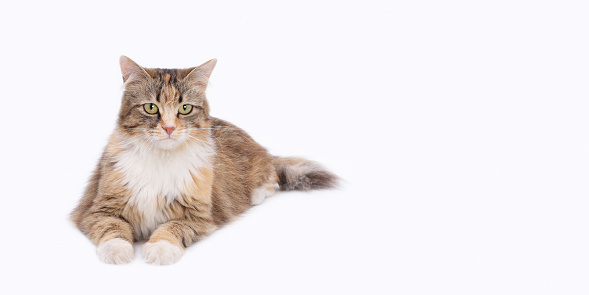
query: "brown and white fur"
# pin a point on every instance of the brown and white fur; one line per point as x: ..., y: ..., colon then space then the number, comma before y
x: 171, y: 178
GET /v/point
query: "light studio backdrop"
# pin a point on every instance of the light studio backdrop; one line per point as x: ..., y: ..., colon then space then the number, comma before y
x: 459, y: 127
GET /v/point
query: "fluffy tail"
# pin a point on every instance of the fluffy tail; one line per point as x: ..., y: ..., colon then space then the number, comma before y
x: 301, y: 174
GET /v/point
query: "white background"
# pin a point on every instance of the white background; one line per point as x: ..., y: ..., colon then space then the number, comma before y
x: 460, y: 128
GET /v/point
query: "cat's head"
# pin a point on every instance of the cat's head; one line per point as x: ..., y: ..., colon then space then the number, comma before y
x: 164, y: 108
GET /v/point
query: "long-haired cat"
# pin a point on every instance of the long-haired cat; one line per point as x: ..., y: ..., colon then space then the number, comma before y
x: 171, y: 174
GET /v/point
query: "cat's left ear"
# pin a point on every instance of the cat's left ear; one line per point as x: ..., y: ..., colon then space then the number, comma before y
x: 131, y: 69
x: 202, y: 73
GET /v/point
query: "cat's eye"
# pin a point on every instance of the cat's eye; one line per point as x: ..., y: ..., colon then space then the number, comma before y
x: 150, y: 108
x: 185, y: 109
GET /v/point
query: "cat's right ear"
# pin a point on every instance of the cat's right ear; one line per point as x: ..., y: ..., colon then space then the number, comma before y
x: 131, y: 69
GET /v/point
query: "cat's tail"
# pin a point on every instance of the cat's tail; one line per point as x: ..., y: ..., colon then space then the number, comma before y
x: 302, y: 174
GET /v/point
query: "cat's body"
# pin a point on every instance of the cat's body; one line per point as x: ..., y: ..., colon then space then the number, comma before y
x: 172, y: 174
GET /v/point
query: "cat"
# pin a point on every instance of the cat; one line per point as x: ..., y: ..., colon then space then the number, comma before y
x: 171, y: 174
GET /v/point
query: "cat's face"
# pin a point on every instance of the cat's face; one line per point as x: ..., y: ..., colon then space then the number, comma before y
x: 164, y: 108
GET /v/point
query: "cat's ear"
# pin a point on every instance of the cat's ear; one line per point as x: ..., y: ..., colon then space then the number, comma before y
x: 203, y: 72
x: 131, y: 69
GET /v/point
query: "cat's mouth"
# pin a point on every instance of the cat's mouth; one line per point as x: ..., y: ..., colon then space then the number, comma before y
x: 168, y: 143
x: 169, y: 138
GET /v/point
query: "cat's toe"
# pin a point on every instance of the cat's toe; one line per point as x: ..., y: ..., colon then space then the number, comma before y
x: 261, y: 193
x: 115, y: 251
x: 161, y: 253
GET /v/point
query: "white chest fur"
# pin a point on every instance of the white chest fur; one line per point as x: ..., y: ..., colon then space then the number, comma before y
x: 156, y: 177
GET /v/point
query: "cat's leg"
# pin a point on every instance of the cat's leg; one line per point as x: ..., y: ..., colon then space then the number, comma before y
x: 167, y: 244
x: 266, y: 190
x: 113, y: 235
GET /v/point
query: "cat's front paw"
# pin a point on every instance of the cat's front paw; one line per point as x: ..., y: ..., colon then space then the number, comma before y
x: 161, y: 252
x: 115, y: 251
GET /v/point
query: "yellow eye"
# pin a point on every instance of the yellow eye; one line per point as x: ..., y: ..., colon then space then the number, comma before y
x: 185, y: 109
x: 150, y: 108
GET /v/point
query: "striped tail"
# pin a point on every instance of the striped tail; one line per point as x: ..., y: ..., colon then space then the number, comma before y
x: 303, y: 175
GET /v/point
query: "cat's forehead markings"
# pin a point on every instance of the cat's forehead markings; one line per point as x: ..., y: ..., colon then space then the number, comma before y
x: 168, y: 92
x: 167, y: 79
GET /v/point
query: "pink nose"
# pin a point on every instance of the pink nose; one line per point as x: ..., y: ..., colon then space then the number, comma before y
x: 169, y: 129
